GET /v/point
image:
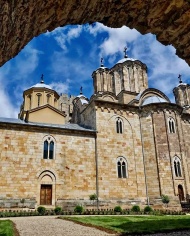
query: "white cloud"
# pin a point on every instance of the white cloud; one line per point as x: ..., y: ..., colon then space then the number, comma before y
x: 60, y: 87
x: 64, y: 35
x: 74, y: 32
x: 27, y: 62
x: 116, y: 40
x: 7, y: 108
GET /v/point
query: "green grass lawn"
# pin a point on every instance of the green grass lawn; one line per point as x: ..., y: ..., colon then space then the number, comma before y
x: 6, y: 228
x: 136, y: 224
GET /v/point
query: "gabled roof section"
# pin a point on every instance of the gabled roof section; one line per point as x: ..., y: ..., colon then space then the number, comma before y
x: 46, y: 106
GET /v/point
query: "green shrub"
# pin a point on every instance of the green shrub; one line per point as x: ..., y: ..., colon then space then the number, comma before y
x: 135, y: 208
x: 79, y: 209
x: 57, y: 210
x: 148, y: 209
x: 93, y: 197
x: 41, y: 210
x: 117, y: 209
x: 165, y: 199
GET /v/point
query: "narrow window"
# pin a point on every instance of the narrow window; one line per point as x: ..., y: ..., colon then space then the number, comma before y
x: 30, y: 102
x: 177, y: 167
x: 48, y: 99
x: 45, y: 149
x: 49, y: 148
x: 39, y: 99
x: 121, y: 168
x: 171, y: 125
x: 119, y: 126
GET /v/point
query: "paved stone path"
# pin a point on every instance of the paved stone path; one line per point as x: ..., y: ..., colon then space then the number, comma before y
x: 51, y: 226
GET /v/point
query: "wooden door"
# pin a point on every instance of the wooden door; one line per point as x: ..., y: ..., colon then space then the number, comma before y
x: 180, y: 193
x: 46, y: 194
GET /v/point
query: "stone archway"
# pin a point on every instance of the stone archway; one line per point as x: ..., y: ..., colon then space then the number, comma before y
x: 23, y: 20
x: 46, y: 188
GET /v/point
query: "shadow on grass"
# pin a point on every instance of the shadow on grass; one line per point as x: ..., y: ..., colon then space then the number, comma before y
x: 152, y: 226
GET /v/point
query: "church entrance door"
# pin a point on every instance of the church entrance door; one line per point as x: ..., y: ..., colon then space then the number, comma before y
x: 180, y: 193
x: 46, y: 194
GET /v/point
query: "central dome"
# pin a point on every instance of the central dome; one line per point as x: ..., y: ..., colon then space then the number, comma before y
x: 126, y: 59
x: 41, y: 85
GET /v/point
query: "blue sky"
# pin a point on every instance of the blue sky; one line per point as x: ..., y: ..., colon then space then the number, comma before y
x: 67, y: 57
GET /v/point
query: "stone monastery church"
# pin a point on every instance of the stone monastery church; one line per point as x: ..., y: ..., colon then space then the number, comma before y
x: 128, y: 144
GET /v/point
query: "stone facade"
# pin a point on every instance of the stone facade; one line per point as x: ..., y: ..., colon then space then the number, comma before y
x: 128, y: 144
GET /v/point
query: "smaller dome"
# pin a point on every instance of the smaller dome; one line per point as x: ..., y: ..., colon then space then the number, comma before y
x: 126, y: 59
x: 80, y: 96
x: 83, y: 99
x: 41, y: 85
x: 183, y: 84
x: 153, y: 99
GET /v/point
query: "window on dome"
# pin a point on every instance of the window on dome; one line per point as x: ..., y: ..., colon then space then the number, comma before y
x: 177, y: 167
x: 121, y: 167
x: 39, y: 99
x: 171, y: 125
x: 48, y: 98
x: 29, y: 102
x: 49, y: 148
x: 119, y: 126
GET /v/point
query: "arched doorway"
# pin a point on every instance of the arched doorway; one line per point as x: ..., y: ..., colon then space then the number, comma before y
x: 46, y: 191
x: 46, y: 186
x: 180, y: 193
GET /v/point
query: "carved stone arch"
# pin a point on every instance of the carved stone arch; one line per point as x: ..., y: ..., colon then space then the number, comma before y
x: 49, y: 135
x: 48, y: 173
x: 46, y: 187
x: 122, y: 117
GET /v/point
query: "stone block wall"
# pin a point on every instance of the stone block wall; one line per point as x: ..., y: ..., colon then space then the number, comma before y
x: 110, y: 146
x: 22, y: 164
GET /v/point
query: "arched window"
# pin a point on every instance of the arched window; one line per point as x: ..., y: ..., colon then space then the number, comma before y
x: 121, y: 167
x: 48, y: 98
x: 29, y: 102
x: 119, y: 125
x: 46, y: 149
x: 171, y: 125
x: 177, y: 167
x: 49, y: 148
x: 39, y: 99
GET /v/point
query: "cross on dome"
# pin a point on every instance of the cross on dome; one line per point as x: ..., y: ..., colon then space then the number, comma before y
x: 179, y: 77
x: 81, y: 90
x: 102, y: 64
x: 125, y: 52
x: 42, y: 79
